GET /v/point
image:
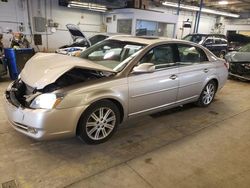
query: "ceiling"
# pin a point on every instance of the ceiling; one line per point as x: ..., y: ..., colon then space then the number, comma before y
x: 235, y: 6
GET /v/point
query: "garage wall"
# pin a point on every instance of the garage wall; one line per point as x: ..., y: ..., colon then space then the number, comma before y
x: 135, y: 14
x: 206, y: 25
x: 89, y: 22
x: 116, y: 15
x: 239, y: 25
x: 12, y: 14
x: 15, y: 11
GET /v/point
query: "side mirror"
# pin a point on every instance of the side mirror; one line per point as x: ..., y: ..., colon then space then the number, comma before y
x: 144, y: 68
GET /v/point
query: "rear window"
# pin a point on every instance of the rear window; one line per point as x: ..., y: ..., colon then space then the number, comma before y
x: 191, y: 55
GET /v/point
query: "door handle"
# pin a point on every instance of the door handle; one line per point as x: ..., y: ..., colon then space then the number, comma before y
x: 205, y: 70
x: 173, y: 77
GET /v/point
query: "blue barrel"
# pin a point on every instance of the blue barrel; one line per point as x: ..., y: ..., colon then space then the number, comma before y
x: 11, y: 62
x: 16, y: 59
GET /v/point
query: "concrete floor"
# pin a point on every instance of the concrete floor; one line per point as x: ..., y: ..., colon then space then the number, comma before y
x: 183, y: 147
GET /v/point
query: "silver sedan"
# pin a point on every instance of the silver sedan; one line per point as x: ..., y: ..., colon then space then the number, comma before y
x: 119, y: 78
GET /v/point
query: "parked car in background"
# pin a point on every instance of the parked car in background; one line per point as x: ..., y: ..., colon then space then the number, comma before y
x: 216, y: 43
x: 119, y: 78
x: 80, y: 41
x: 236, y: 41
x: 239, y: 63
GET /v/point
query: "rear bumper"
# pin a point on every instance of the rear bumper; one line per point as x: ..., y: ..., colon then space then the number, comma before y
x: 43, y: 124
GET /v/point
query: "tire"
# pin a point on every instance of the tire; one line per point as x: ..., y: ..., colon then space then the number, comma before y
x: 207, y: 94
x: 99, y: 122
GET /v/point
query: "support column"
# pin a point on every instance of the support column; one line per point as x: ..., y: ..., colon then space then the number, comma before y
x: 198, y: 16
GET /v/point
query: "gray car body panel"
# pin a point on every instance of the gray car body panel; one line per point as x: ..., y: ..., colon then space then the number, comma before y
x: 238, y: 57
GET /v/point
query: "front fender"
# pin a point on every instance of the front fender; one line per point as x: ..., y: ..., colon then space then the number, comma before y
x: 85, y: 99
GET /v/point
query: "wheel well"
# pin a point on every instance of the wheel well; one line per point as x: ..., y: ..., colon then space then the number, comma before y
x: 119, y: 106
x: 117, y: 103
x: 216, y: 82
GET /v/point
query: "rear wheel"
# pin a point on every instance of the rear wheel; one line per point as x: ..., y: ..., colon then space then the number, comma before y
x: 99, y: 122
x: 207, y: 94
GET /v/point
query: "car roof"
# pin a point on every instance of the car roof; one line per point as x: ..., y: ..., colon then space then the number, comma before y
x: 144, y: 39
x: 215, y: 34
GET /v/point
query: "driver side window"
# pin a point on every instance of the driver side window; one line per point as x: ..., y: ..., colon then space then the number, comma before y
x: 161, y: 56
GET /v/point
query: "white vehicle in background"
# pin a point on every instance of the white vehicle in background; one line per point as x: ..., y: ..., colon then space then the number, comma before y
x: 80, y: 41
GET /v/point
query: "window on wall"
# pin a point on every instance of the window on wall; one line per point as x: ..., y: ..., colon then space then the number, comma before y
x: 144, y: 27
x: 152, y: 28
x: 124, y: 26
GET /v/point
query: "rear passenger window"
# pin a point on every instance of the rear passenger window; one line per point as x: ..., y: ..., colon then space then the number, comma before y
x: 209, y: 41
x: 223, y: 41
x: 189, y: 55
x: 217, y: 41
x: 161, y: 56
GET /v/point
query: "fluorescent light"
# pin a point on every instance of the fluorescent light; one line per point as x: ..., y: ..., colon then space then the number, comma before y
x: 182, y: 6
x: 223, y: 2
x: 204, y: 10
x: 88, y: 6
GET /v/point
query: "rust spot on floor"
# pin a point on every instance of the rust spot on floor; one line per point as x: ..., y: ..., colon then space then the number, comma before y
x: 148, y: 161
x: 130, y: 141
x: 213, y: 112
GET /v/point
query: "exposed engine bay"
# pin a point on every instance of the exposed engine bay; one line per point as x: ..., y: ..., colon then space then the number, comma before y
x: 22, y: 94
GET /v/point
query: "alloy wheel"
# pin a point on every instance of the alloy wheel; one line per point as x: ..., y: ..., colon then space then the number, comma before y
x: 100, y: 123
x: 208, y: 94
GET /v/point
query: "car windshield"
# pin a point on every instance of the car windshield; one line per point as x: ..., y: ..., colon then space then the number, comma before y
x: 194, y: 38
x: 112, y: 53
x: 245, y: 48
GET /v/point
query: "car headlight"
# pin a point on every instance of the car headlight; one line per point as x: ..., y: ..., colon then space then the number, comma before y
x: 46, y: 101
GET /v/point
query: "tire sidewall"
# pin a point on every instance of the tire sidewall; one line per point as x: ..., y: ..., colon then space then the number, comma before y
x: 81, y: 128
x: 200, y: 101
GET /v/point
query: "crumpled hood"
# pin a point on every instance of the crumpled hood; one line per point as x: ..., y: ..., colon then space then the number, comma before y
x: 45, y: 68
x: 238, y: 57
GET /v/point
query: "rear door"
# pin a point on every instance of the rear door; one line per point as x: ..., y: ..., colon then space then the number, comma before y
x: 194, y: 68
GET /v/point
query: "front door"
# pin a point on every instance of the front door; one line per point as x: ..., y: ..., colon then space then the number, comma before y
x: 151, y: 91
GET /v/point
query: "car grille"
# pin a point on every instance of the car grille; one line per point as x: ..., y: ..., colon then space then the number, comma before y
x: 18, y: 92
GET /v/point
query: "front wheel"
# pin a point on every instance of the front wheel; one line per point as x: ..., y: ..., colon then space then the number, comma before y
x: 99, y: 122
x: 207, y: 94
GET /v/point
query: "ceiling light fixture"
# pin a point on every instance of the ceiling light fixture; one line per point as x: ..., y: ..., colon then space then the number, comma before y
x: 87, y: 6
x: 204, y: 10
x: 223, y: 2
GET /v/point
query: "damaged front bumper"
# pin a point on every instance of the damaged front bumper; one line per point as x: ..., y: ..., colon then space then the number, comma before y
x: 240, y: 70
x: 41, y: 124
